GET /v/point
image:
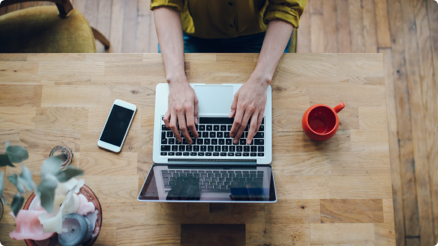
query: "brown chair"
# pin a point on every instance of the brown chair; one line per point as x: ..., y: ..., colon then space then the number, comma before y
x: 47, y: 29
x: 293, y: 41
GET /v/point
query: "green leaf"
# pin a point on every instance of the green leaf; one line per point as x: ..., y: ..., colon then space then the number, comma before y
x: 4, y: 161
x: 26, y: 178
x: 46, y: 191
x: 16, y: 154
x: 16, y: 204
x: 51, y: 166
x: 13, y: 178
x: 68, y: 173
x: 2, y: 178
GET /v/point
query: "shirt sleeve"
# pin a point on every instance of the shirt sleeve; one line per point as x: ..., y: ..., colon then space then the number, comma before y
x: 177, y: 5
x: 286, y: 10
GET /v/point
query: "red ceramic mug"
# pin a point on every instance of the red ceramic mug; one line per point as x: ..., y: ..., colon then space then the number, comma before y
x: 320, y: 122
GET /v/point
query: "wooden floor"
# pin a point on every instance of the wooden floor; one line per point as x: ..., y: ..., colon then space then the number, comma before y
x: 405, y: 31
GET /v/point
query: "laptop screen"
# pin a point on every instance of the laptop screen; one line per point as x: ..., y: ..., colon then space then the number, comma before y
x: 168, y: 183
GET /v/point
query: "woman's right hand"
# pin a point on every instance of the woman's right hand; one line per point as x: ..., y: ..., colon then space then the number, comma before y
x: 182, y: 109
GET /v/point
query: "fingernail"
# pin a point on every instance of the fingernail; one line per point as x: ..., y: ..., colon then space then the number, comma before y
x: 248, y: 142
x: 235, y: 141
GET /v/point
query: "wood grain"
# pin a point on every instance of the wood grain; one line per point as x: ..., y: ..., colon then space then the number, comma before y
x: 213, y: 234
x: 353, y: 211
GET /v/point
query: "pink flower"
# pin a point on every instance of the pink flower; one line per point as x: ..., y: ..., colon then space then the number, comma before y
x: 28, y: 226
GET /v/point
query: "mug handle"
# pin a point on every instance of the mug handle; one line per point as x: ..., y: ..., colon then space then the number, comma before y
x: 339, y: 107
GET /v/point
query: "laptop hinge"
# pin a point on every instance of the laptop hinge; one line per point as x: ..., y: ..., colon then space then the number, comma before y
x: 244, y: 162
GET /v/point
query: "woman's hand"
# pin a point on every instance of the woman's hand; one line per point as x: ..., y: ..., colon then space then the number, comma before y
x: 248, y: 107
x: 182, y: 106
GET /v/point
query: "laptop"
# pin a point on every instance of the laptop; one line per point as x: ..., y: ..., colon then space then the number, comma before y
x: 213, y: 169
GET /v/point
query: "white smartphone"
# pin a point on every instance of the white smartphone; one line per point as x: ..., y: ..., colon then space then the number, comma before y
x: 117, y: 126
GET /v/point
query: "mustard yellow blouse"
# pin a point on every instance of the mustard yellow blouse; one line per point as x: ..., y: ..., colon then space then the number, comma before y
x: 232, y: 18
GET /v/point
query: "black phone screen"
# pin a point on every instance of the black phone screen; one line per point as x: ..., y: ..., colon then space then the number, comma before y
x: 117, y: 125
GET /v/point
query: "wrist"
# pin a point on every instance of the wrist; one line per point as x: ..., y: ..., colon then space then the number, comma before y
x: 176, y: 78
x: 261, y: 78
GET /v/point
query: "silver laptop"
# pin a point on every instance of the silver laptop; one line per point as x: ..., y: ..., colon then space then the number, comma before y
x: 213, y: 168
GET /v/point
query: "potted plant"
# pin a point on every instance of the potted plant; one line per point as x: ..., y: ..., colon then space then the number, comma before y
x: 61, y: 209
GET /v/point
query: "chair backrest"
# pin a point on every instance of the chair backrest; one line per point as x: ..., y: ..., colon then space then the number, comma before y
x: 64, y: 6
x: 293, y: 41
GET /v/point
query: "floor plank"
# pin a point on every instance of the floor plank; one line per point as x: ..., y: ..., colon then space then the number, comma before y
x: 343, y: 22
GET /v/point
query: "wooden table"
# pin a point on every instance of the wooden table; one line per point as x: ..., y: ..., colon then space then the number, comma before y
x: 334, y: 192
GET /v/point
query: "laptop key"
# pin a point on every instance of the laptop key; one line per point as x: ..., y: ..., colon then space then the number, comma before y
x: 164, y: 153
x: 261, y: 154
x: 164, y: 141
x: 223, y: 128
x: 196, y: 148
x: 206, y: 141
x: 226, y: 134
x: 216, y: 128
x: 259, y: 135
x: 253, y: 149
x: 200, y: 141
x: 225, y: 148
x: 220, y: 135
x: 238, y: 154
x: 174, y: 148
x: 163, y: 135
x: 203, y: 148
x: 215, y: 154
x: 246, y: 148
x: 178, y: 153
x: 210, y: 148
x: 205, y: 134
x: 253, y: 154
x: 201, y: 127
x: 223, y: 154
x: 171, y: 153
x: 245, y: 154
x: 242, y: 141
x: 170, y: 134
x: 193, y: 154
x: 209, y: 128
x: 200, y: 154
x: 261, y: 148
x: 186, y: 154
x: 229, y: 127
x: 232, y: 148
x: 259, y: 141
x: 182, y: 148
x: 189, y: 148
x: 212, y: 134
x: 165, y: 148
x: 229, y: 141
x: 230, y: 154
x: 208, y: 154
x: 214, y: 141
x: 185, y: 141
x: 164, y: 128
x: 221, y: 141
x: 262, y: 128
x: 217, y: 148
x: 239, y: 148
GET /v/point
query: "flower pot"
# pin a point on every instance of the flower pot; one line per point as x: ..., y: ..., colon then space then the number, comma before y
x: 91, y: 197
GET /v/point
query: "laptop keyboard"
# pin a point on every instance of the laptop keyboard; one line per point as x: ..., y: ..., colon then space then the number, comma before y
x: 213, y: 140
x: 214, y: 181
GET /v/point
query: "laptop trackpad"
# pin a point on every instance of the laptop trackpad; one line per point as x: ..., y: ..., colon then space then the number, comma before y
x: 214, y: 99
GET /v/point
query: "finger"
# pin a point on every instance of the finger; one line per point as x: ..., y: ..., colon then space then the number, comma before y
x: 237, y: 122
x: 252, y: 128
x: 183, y: 127
x: 234, y: 105
x: 166, y: 119
x: 172, y: 126
x: 196, y: 110
x: 242, y: 126
x: 260, y: 118
x: 191, y: 121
